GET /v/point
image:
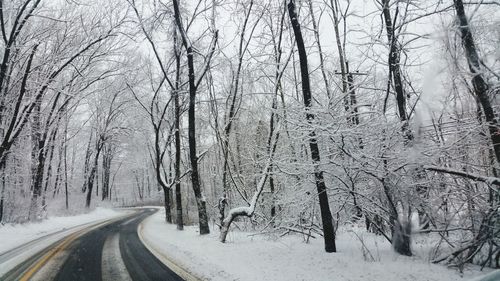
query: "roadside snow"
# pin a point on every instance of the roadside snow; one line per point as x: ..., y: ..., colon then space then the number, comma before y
x: 14, y: 235
x: 252, y: 258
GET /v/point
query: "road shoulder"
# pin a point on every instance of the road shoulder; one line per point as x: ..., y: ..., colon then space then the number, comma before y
x: 198, y: 258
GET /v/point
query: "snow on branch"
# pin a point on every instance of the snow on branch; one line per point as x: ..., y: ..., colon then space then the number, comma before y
x: 471, y: 176
x: 247, y: 211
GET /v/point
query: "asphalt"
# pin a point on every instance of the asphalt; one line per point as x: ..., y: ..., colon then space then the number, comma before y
x: 84, y: 261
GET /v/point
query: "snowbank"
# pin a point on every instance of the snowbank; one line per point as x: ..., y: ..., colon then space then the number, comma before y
x: 13, y: 235
x: 252, y: 258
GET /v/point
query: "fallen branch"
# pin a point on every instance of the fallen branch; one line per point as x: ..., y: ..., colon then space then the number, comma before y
x: 296, y: 230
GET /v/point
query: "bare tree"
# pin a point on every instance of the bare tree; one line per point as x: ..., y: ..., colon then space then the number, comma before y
x: 326, y: 215
x: 193, y: 87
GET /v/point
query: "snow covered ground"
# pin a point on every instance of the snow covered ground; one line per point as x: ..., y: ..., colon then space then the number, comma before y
x: 258, y: 257
x: 13, y: 235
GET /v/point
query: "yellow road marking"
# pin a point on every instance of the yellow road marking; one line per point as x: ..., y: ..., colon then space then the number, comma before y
x: 62, y: 246
x: 48, y: 256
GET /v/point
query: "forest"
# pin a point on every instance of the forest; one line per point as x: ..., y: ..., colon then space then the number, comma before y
x: 296, y: 117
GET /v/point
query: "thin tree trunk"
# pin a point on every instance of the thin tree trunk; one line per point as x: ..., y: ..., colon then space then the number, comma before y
x: 178, y: 191
x: 66, y: 164
x: 249, y: 211
x: 3, y: 162
x: 274, y: 106
x: 177, y: 166
x: 88, y: 156
x: 395, y: 69
x: 193, y: 157
x: 400, y: 230
x: 232, y: 113
x: 481, y: 87
x: 342, y: 60
x: 38, y: 163
x: 49, y: 170
x: 320, y: 51
x: 89, y: 184
x: 107, y: 159
x: 57, y: 181
x: 326, y: 216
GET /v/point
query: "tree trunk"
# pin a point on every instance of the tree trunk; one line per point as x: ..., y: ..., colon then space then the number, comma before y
x: 326, y: 216
x: 395, y: 70
x: 107, y: 159
x: 66, y: 164
x: 481, y: 87
x: 177, y: 108
x: 57, y: 181
x: 278, y: 91
x: 89, y: 184
x: 3, y: 162
x: 38, y: 163
x: 320, y: 51
x: 342, y: 58
x: 48, y: 174
x: 193, y: 157
x: 400, y: 237
x: 87, y: 164
x: 249, y: 210
x: 168, y: 212
x: 1, y: 201
x: 233, y: 97
x: 353, y: 101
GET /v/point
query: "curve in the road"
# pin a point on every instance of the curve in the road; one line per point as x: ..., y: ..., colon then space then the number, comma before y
x: 107, y: 253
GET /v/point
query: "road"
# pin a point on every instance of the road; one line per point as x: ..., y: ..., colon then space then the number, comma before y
x: 108, y: 251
